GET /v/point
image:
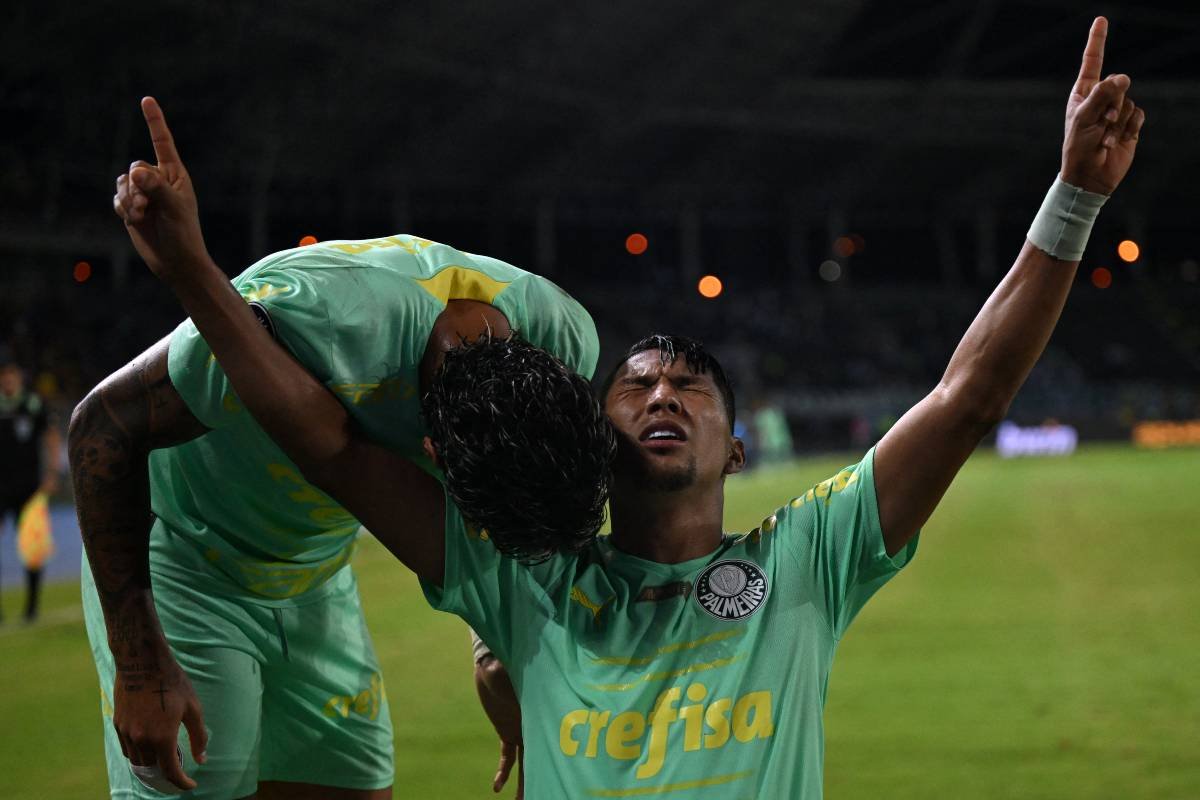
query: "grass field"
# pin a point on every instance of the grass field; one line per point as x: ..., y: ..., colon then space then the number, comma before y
x: 1045, y: 643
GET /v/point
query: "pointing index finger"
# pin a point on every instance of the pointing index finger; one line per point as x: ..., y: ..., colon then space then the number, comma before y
x: 1093, y: 57
x: 160, y: 134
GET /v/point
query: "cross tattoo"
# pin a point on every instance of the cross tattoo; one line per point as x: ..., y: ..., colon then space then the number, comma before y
x: 162, y: 695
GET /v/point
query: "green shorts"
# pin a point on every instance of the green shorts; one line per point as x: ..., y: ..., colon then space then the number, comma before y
x: 290, y: 693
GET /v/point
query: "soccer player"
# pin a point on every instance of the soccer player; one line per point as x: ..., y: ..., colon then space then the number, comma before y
x: 673, y: 656
x: 261, y: 629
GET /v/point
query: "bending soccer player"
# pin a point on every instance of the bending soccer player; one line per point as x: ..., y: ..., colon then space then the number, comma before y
x: 673, y: 656
x: 253, y: 630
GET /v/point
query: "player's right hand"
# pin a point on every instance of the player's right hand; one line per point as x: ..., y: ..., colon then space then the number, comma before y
x: 148, y: 708
x: 158, y: 205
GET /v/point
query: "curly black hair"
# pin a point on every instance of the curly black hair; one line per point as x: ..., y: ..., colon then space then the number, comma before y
x: 526, y: 449
x: 699, y: 360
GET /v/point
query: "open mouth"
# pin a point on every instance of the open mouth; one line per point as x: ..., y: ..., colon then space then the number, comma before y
x: 663, y: 433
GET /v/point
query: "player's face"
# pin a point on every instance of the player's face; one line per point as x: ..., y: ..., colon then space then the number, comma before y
x: 671, y: 424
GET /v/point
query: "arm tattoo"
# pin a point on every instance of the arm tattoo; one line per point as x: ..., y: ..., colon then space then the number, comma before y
x: 111, y: 435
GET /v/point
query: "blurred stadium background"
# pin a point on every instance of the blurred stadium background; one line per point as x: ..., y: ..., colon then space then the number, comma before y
x: 824, y: 192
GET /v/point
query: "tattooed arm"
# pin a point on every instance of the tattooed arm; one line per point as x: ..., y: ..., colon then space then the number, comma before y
x: 135, y: 410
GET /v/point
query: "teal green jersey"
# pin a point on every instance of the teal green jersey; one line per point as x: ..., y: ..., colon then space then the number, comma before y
x: 358, y: 315
x: 704, y: 679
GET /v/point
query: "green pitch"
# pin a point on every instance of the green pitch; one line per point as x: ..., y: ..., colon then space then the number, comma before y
x: 1044, y: 644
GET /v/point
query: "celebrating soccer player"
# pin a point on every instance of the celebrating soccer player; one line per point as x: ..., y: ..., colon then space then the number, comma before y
x: 673, y: 656
x: 253, y: 630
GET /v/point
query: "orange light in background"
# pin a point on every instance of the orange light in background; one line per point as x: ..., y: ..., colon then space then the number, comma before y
x: 1129, y: 251
x: 636, y: 244
x: 1101, y: 278
x: 305, y: 241
x: 860, y: 244
x: 710, y: 286
x: 843, y: 247
x: 83, y: 271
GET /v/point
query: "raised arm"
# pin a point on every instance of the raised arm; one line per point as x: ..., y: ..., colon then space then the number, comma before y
x: 919, y: 457
x: 112, y: 432
x: 396, y: 500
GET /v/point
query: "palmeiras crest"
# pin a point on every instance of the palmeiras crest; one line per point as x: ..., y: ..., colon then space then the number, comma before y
x: 732, y: 589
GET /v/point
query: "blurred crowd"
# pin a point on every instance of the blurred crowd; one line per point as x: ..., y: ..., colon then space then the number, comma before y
x: 838, y: 362
x: 843, y: 364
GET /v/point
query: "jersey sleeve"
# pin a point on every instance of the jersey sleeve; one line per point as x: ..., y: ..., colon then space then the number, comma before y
x: 479, y: 584
x: 286, y: 303
x: 834, y: 533
x: 551, y: 319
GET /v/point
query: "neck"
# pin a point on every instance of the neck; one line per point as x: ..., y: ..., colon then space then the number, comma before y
x: 462, y: 319
x: 667, y: 527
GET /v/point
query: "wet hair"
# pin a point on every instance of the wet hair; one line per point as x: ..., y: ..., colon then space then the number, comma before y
x: 695, y: 355
x: 526, y: 449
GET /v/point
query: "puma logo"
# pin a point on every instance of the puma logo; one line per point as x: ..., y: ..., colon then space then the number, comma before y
x: 580, y: 596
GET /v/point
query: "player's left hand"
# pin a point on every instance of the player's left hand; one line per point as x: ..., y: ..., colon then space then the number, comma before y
x: 510, y: 755
x: 1103, y: 123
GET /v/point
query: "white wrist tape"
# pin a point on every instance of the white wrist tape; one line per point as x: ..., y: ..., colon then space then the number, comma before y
x: 479, y: 648
x: 1064, y: 222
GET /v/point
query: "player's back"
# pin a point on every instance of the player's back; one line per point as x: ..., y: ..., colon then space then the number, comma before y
x: 357, y: 314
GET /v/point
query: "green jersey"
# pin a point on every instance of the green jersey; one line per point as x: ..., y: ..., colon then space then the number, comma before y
x: 704, y: 679
x: 234, y: 511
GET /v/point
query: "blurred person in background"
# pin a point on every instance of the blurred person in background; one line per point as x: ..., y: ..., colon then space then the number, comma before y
x: 30, y: 460
x: 772, y: 434
x: 673, y: 656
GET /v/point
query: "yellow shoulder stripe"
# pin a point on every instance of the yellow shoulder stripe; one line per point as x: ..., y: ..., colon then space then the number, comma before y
x: 463, y: 283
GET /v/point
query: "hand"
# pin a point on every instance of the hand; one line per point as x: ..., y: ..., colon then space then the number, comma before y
x: 1102, y: 123
x: 502, y: 708
x: 149, y: 706
x: 158, y: 205
x: 510, y: 754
